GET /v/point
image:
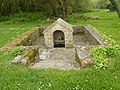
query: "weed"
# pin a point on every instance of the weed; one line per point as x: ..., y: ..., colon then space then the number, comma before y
x: 16, y: 51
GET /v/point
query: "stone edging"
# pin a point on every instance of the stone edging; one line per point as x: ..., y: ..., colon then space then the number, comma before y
x: 93, y: 36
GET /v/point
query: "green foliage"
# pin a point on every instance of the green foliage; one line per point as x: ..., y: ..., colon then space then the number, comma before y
x: 112, y: 51
x: 99, y: 4
x: 116, y: 6
x: 110, y: 7
x: 4, y: 18
x: 81, y: 5
x: 50, y: 8
x: 24, y: 16
x: 103, y: 54
x: 99, y: 58
x: 16, y: 51
x: 100, y: 63
x: 111, y: 30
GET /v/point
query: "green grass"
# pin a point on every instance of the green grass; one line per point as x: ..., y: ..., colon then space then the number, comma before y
x: 17, y: 77
x: 10, y: 30
x: 108, y: 25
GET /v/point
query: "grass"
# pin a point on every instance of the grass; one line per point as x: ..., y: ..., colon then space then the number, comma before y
x: 17, y: 77
x: 14, y: 77
x: 10, y: 30
x: 108, y: 25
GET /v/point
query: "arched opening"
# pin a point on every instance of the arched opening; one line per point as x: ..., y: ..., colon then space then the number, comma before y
x: 59, y: 39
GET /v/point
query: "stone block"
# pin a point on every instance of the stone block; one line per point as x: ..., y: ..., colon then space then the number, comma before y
x: 17, y: 59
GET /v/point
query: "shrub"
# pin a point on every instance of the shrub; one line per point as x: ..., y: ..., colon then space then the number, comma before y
x: 100, y: 63
x: 4, y: 18
x: 103, y: 54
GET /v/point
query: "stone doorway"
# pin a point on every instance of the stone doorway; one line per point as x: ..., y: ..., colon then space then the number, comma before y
x: 59, y: 39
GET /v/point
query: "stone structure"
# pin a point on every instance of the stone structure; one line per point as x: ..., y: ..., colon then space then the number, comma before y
x: 59, y: 34
x: 40, y: 46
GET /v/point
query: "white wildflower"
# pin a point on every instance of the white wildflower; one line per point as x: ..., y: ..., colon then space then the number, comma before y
x: 115, y: 77
x: 82, y: 88
x: 49, y: 84
x: 18, y: 84
x: 43, y: 85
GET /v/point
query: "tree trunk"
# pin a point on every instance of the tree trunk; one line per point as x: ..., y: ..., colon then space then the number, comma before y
x: 116, y: 7
x: 62, y: 5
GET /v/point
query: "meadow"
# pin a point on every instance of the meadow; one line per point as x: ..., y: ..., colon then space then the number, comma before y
x: 17, y: 77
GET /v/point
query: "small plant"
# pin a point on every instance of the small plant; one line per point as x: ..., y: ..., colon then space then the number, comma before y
x: 103, y: 54
x: 16, y: 51
x: 109, y: 39
x: 112, y: 51
x: 100, y: 63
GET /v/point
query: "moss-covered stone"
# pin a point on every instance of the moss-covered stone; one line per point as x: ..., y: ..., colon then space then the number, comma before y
x: 31, y: 54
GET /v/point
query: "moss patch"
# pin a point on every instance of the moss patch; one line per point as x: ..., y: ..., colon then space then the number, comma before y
x: 31, y: 54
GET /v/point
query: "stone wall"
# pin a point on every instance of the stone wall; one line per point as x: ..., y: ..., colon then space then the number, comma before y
x: 94, y: 37
x: 26, y: 39
x: 78, y: 29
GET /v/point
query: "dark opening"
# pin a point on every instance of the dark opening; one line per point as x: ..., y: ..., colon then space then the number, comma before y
x: 59, y: 39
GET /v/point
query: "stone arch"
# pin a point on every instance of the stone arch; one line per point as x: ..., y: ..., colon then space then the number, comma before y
x: 58, y: 38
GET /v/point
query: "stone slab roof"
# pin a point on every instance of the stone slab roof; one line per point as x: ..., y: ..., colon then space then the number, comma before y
x: 62, y: 23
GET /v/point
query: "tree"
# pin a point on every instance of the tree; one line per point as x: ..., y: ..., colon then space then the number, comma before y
x: 116, y: 6
x: 62, y: 8
x: 50, y: 8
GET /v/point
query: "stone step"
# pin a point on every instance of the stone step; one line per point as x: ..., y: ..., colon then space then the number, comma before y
x: 58, y: 65
x: 44, y: 54
x: 62, y: 58
x: 57, y: 61
x: 83, y: 52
